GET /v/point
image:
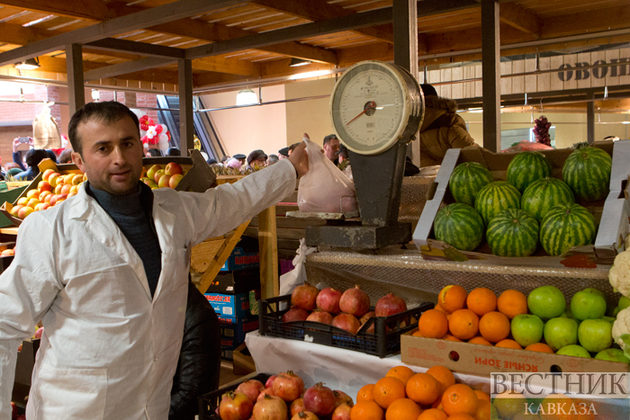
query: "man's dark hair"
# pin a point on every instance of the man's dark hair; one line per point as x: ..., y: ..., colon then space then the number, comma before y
x: 173, y: 151
x: 52, y: 155
x: 329, y: 137
x: 65, y: 156
x: 155, y: 152
x: 109, y: 112
x: 34, y: 156
x: 428, y: 90
x: 293, y: 146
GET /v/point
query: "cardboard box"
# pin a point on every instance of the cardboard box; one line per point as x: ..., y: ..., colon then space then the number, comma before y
x: 478, y: 359
x: 611, y: 213
x: 226, y: 354
x: 237, y: 281
x: 229, y: 306
x: 254, y: 297
x: 239, y: 259
x: 243, y: 361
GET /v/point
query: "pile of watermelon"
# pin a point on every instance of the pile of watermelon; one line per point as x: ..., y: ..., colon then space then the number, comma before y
x: 530, y: 209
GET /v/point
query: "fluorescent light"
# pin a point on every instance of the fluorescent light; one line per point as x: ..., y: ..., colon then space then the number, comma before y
x: 246, y: 97
x: 95, y: 95
x: 309, y: 74
x: 625, y: 122
x: 29, y: 64
x: 298, y: 62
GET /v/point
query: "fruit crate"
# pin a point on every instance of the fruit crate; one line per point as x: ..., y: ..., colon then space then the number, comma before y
x: 380, y: 343
x: 208, y: 403
x: 199, y: 176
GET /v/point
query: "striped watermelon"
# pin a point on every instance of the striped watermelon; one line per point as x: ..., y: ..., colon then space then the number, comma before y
x: 543, y: 194
x: 587, y: 172
x: 466, y: 181
x: 495, y: 197
x: 513, y: 233
x: 459, y: 225
x: 566, y: 226
x: 527, y: 167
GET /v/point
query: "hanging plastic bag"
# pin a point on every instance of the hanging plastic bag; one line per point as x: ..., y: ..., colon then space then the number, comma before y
x: 324, y: 188
x: 46, y: 131
x: 297, y: 276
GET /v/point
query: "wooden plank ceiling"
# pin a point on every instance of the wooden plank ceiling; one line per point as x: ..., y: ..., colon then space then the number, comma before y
x: 254, y: 41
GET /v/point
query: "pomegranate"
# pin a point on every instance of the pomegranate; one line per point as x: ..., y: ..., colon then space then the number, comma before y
x: 266, y: 391
x: 319, y: 399
x: 270, y: 408
x: 347, y: 323
x: 390, y: 304
x: 328, y: 300
x: 366, y: 317
x: 295, y: 314
x: 235, y: 406
x: 270, y: 381
x: 341, y: 398
x: 304, y: 297
x: 288, y: 386
x: 355, y: 302
x: 320, y: 316
x: 297, y: 406
x: 251, y: 388
x: 342, y: 412
x: 305, y: 415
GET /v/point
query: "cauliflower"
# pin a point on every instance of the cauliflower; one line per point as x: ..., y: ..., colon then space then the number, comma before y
x: 621, y: 330
x: 619, y: 275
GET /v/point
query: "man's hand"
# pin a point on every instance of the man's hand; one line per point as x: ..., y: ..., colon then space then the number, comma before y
x: 299, y: 158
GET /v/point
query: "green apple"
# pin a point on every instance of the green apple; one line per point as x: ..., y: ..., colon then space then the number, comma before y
x: 526, y: 329
x: 623, y: 303
x: 574, y: 350
x: 152, y: 170
x: 609, y: 319
x: 595, y: 335
x: 546, y: 302
x: 158, y: 174
x: 613, y: 355
x: 588, y: 304
x: 560, y: 332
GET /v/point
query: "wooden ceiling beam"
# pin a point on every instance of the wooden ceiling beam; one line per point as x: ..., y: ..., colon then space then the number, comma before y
x: 598, y: 19
x: 520, y: 18
x: 127, y: 67
x: 228, y: 65
x: 149, y: 17
x: 113, y: 44
x: 93, y: 10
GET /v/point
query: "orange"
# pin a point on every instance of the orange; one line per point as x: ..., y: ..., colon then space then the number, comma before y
x: 423, y: 388
x: 365, y: 393
x: 433, y: 414
x: 541, y: 347
x: 417, y: 333
x: 461, y: 416
x: 479, y: 340
x: 508, y: 344
x: 452, y: 298
x: 443, y: 375
x: 463, y: 324
x: 509, y: 403
x: 494, y: 326
x: 403, y: 409
x: 387, y: 390
x: 511, y: 303
x: 482, y: 395
x: 401, y: 372
x: 484, y: 409
x: 459, y: 398
x: 366, y: 410
x: 481, y: 301
x: 433, y: 324
x: 451, y: 337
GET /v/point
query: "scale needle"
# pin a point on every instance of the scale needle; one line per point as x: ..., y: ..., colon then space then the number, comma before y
x: 369, y: 105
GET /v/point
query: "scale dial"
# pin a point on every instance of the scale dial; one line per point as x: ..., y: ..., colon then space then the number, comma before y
x: 374, y: 105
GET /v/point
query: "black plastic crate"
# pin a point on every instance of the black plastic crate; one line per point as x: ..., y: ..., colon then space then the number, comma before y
x: 380, y: 343
x: 209, y: 402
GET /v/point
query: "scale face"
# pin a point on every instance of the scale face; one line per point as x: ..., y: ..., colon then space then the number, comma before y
x: 373, y: 104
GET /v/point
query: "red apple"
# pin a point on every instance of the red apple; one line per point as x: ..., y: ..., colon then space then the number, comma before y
x: 43, y: 195
x: 25, y: 211
x: 65, y: 189
x: 174, y: 181
x: 47, y: 173
x: 44, y: 186
x: 173, y: 168
x: 158, y: 174
x: 164, y: 180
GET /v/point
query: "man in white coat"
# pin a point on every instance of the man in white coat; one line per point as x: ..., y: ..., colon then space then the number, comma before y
x: 106, y: 272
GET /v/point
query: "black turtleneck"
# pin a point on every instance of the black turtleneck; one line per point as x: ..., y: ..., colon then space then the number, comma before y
x: 133, y: 215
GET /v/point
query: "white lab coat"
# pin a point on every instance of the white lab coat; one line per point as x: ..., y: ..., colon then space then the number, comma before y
x: 108, y: 350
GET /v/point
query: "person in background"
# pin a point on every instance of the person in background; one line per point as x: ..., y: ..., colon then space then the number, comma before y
x: 256, y: 159
x: 65, y: 156
x: 292, y: 147
x: 283, y: 153
x: 52, y: 155
x: 211, y: 161
x: 32, y: 159
x: 17, y: 158
x: 241, y: 158
x: 224, y: 159
x: 442, y: 128
x: 107, y: 274
x: 271, y: 159
x: 342, y: 154
x: 153, y: 152
x: 331, y: 148
x: 234, y: 164
x: 173, y: 151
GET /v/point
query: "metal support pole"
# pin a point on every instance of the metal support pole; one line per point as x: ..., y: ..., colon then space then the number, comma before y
x: 490, y: 57
x: 186, y: 128
x: 74, y: 65
x: 590, y: 120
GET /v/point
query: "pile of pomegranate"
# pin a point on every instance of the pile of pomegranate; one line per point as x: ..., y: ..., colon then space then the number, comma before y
x: 348, y: 310
x: 283, y: 397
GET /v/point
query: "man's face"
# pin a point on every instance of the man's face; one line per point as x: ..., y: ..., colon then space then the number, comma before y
x: 111, y: 156
x: 331, y: 148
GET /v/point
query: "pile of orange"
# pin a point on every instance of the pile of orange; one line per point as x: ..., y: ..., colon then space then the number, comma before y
x: 478, y: 317
x: 403, y: 394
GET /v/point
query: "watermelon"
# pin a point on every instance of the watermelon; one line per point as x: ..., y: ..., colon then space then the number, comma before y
x: 459, y: 225
x: 527, y: 167
x: 513, y: 233
x: 495, y: 197
x: 565, y: 226
x: 587, y: 172
x: 466, y: 181
x: 543, y: 194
